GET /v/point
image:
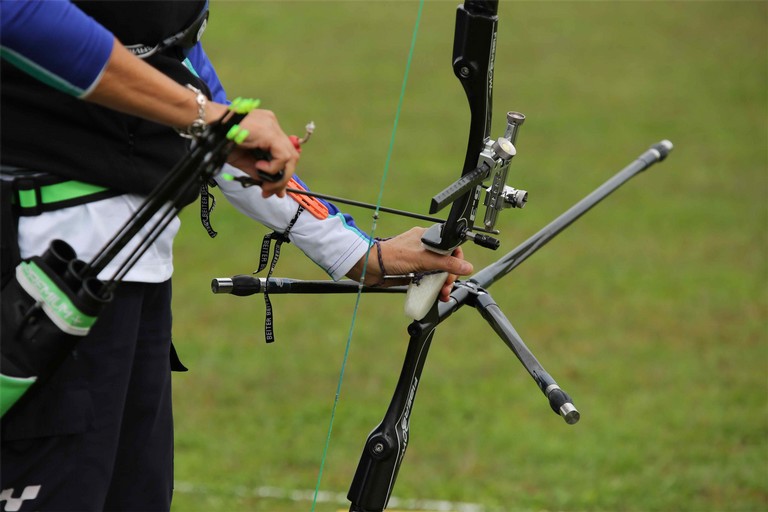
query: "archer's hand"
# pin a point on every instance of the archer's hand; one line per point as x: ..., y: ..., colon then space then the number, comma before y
x: 264, y: 133
x: 404, y: 254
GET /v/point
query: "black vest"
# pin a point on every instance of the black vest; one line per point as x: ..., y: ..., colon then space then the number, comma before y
x: 47, y: 130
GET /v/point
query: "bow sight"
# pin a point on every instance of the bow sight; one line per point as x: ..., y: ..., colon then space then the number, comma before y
x: 493, y: 163
x: 474, y: 53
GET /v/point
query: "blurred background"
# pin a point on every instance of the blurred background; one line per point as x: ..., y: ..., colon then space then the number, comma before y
x: 651, y: 311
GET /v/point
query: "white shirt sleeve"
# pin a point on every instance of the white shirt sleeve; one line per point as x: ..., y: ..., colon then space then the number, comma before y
x: 332, y: 243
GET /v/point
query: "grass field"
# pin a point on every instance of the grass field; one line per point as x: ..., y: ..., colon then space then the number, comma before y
x: 651, y: 310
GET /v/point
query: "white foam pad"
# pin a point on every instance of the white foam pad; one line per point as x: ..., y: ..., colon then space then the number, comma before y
x: 420, y: 296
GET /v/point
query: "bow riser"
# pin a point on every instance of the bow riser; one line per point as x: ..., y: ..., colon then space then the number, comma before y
x: 474, y: 52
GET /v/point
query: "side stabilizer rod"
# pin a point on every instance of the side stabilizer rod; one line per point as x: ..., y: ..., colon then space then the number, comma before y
x: 560, y: 402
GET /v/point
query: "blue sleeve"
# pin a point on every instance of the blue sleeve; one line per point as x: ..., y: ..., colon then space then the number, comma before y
x: 202, y: 67
x: 55, y: 42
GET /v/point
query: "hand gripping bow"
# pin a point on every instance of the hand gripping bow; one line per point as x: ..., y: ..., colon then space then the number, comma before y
x: 485, y: 169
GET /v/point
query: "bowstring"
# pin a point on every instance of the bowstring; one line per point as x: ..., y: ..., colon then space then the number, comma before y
x: 370, y: 245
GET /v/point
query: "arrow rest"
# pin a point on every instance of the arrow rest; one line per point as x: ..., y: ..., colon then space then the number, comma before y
x: 493, y: 163
x: 486, y: 168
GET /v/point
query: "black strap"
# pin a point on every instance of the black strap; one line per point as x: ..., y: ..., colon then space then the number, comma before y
x: 266, y: 243
x: 206, y: 210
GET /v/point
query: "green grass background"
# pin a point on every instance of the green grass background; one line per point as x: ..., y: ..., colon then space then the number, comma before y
x: 650, y: 311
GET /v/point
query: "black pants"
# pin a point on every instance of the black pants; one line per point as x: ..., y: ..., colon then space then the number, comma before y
x: 99, y: 434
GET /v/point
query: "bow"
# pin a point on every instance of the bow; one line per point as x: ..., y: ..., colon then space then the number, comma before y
x: 487, y: 160
x: 474, y: 52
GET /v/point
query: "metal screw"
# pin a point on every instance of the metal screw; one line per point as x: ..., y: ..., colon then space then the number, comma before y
x: 464, y: 71
x: 378, y: 448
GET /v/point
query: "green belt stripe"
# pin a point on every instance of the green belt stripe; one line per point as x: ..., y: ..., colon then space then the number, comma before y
x: 11, y: 389
x: 58, y: 192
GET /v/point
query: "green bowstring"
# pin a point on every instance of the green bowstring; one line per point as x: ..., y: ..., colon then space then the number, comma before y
x: 370, y: 244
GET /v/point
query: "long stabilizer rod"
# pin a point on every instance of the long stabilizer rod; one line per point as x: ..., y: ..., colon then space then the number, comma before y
x: 492, y: 273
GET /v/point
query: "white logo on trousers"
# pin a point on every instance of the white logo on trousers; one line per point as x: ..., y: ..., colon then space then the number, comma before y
x: 13, y: 504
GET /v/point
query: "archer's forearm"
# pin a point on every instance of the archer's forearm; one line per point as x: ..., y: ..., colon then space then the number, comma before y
x: 130, y: 85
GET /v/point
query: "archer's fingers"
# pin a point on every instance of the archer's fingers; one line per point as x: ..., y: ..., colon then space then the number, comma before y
x: 445, y: 291
x: 273, y: 167
x: 456, y: 266
x: 284, y: 158
x: 265, y: 134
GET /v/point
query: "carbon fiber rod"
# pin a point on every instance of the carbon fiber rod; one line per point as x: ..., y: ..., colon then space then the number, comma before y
x: 244, y: 285
x: 492, y: 273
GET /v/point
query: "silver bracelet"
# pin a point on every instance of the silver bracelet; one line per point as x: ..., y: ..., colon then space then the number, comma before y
x: 198, y: 126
